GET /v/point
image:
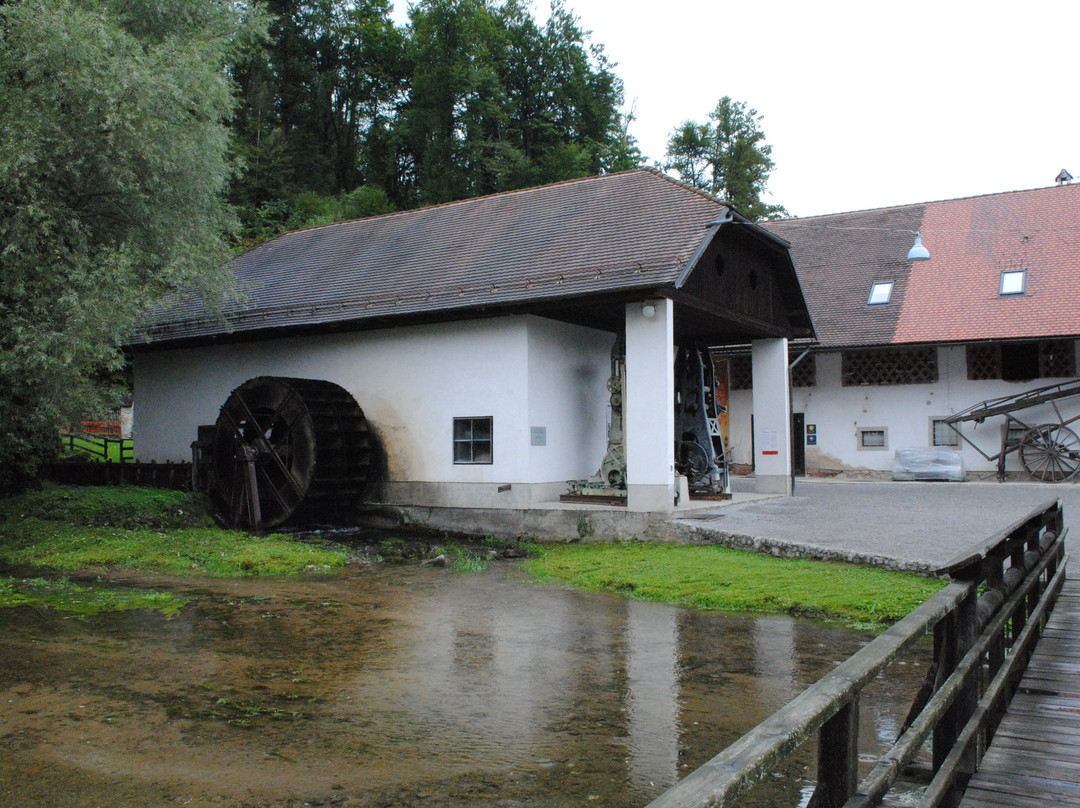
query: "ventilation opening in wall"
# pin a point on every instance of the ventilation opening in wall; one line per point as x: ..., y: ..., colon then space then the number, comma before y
x: 873, y: 437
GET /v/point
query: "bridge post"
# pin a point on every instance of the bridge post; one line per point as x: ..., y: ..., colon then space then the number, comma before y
x: 953, y: 638
x: 838, y: 758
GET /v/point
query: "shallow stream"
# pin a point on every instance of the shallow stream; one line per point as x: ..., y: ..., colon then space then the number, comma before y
x: 403, y: 685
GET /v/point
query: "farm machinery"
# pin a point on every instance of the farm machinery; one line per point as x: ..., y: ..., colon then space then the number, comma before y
x: 1049, y: 451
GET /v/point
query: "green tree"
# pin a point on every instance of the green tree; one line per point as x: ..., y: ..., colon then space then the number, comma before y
x: 497, y: 102
x: 727, y: 157
x: 330, y: 72
x: 113, y: 166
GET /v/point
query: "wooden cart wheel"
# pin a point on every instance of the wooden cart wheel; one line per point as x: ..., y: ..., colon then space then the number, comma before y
x: 1050, y: 453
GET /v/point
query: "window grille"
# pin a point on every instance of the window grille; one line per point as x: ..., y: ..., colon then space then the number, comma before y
x: 804, y: 374
x: 889, y: 366
x: 983, y: 362
x: 1057, y: 358
x: 942, y: 434
x: 741, y: 372
x: 873, y: 437
x: 1047, y: 359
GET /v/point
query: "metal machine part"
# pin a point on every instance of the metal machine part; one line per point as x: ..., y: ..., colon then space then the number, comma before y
x: 699, y: 444
x: 610, y: 480
x: 286, y: 450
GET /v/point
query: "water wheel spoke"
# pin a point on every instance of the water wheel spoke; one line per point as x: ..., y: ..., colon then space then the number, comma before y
x: 277, y: 492
x: 267, y: 450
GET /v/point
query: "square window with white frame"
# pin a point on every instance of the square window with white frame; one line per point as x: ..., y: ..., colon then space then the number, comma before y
x: 880, y: 293
x: 1013, y: 282
x: 473, y: 440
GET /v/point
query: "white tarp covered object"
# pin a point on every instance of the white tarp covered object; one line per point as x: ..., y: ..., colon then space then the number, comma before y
x: 928, y: 463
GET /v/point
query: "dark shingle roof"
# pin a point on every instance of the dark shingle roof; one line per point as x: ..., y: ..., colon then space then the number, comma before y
x: 953, y: 297
x: 626, y: 231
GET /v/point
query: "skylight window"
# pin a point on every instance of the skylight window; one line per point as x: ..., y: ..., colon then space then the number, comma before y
x: 1013, y: 282
x: 880, y: 293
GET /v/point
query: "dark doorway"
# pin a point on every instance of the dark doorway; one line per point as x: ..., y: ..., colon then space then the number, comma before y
x: 798, y: 444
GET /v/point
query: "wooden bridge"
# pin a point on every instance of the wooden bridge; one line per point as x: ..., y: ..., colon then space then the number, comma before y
x: 1035, y: 757
x: 996, y: 723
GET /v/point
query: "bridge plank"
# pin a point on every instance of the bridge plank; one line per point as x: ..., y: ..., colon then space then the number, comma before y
x: 1034, y: 759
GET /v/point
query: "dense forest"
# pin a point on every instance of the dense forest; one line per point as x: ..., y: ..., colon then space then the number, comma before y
x: 344, y: 114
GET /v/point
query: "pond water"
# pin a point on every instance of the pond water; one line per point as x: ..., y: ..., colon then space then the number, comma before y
x: 401, y: 686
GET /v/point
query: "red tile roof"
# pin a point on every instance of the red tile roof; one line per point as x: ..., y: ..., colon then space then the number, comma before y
x: 954, y: 296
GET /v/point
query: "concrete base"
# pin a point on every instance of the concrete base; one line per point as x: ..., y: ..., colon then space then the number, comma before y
x: 653, y: 498
x: 779, y: 484
x: 471, y: 495
x: 560, y: 521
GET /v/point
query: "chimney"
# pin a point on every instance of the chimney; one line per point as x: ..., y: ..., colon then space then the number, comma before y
x: 1063, y: 177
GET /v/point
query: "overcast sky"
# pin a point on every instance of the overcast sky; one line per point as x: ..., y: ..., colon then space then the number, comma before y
x: 866, y: 103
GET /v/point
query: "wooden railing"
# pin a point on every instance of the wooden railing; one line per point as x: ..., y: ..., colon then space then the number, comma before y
x: 985, y: 625
x: 151, y: 475
x: 102, y: 446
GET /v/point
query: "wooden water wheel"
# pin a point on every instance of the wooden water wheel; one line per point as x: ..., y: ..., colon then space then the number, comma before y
x: 290, y: 450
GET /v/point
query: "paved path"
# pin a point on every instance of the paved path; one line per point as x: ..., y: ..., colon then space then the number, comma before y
x: 923, y: 522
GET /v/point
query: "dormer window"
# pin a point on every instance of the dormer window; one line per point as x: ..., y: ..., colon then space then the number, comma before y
x: 1013, y: 282
x: 880, y: 293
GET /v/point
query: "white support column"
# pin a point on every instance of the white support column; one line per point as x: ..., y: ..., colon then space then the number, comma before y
x: 772, y: 417
x: 649, y: 406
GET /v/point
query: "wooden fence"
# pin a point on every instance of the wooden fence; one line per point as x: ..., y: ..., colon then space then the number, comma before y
x: 151, y: 475
x: 985, y: 625
x: 104, y: 445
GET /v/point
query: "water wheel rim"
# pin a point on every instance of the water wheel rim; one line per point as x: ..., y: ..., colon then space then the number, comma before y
x: 1050, y: 453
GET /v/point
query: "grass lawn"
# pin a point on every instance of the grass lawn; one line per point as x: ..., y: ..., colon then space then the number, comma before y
x: 77, y: 529
x: 74, y: 528
x: 704, y: 577
x: 80, y: 529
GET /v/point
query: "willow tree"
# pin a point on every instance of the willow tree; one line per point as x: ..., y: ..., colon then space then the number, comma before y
x: 112, y: 173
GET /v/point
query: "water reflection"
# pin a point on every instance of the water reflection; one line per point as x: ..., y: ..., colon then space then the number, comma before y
x: 400, y: 686
x: 652, y: 693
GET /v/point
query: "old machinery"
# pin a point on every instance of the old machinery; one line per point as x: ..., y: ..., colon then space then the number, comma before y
x: 1050, y: 452
x: 699, y: 444
x: 286, y: 450
x: 610, y: 481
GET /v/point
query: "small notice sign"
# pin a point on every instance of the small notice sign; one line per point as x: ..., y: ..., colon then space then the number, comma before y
x: 770, y: 442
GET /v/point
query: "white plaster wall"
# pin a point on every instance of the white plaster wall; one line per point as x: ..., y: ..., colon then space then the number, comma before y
x: 410, y: 383
x: 567, y: 394
x: 904, y: 410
